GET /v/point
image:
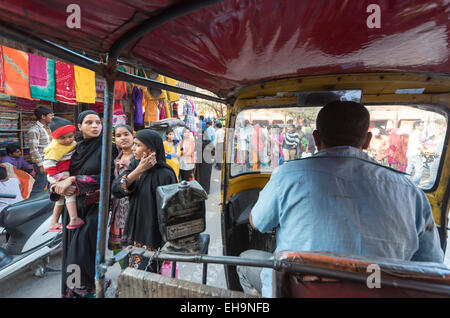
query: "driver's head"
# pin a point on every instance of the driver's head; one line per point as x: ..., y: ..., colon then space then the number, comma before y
x: 343, y: 123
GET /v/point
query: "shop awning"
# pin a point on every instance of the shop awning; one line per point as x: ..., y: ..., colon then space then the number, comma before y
x: 230, y: 44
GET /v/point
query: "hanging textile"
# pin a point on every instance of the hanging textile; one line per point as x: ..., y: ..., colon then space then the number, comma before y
x: 120, y: 88
x: 2, y: 74
x: 119, y: 116
x: 65, y: 83
x: 150, y: 107
x: 100, y: 86
x: 26, y: 105
x: 162, y: 109
x: 171, y: 96
x: 84, y: 85
x: 189, y: 113
x: 16, y: 71
x: 42, y: 77
x: 167, y: 108
x: 137, y: 95
x: 98, y: 107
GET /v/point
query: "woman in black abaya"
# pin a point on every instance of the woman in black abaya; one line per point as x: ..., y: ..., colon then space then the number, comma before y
x: 84, y: 180
x: 146, y: 172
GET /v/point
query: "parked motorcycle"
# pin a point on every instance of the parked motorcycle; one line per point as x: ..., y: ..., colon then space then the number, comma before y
x: 28, y: 240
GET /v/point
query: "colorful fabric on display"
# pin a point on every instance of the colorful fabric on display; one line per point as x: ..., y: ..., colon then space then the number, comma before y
x: 119, y: 119
x: 25, y: 105
x: 162, y: 110
x: 16, y: 71
x: 118, y: 109
x: 150, y: 107
x: 2, y: 74
x: 136, y: 96
x: 151, y: 112
x: 120, y: 88
x: 100, y: 86
x: 65, y: 83
x: 173, y: 97
x: 189, y: 113
x: 98, y: 107
x: 84, y: 85
x: 42, y: 77
x: 120, y: 91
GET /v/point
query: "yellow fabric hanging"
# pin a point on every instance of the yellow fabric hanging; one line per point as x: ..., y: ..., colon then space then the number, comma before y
x: 84, y: 85
x: 150, y: 106
x: 166, y: 107
x: 173, y: 97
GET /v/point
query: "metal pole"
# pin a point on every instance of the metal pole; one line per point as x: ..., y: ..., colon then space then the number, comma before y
x: 105, y: 182
x: 297, y: 268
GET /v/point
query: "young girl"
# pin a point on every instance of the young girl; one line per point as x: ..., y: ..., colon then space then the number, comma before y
x: 187, y: 157
x: 124, y: 141
x: 172, y: 152
x: 56, y: 164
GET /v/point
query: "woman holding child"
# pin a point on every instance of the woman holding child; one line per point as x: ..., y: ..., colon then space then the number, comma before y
x: 84, y: 181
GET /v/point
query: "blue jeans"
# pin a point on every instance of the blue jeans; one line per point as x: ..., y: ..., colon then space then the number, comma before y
x: 416, y: 163
x: 40, y: 181
x: 249, y: 276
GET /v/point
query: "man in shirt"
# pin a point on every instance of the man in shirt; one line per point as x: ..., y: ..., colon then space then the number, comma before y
x: 343, y: 201
x: 39, y: 138
x: 14, y: 157
x: 415, y: 152
x: 218, y: 144
x: 291, y: 143
x: 210, y: 131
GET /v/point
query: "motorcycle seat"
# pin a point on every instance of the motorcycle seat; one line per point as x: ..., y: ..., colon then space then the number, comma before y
x: 23, y: 211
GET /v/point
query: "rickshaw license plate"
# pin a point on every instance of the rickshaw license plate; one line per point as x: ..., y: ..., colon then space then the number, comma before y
x: 185, y: 229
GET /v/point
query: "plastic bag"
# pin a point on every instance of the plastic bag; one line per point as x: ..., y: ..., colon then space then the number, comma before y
x: 166, y: 269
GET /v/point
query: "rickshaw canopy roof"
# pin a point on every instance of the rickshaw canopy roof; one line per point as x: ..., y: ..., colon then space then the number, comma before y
x: 232, y: 44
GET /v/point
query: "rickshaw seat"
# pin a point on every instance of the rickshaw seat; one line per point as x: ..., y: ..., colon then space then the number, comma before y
x: 307, y: 286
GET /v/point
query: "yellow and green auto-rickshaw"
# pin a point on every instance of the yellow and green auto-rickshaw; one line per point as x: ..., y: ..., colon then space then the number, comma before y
x: 274, y: 64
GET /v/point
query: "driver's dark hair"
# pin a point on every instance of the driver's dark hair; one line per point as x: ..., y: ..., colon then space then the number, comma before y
x: 343, y: 123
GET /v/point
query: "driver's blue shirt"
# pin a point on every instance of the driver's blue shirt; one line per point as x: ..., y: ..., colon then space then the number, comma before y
x: 341, y: 200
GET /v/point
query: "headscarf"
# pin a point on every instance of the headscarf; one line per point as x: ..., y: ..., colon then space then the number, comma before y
x: 85, y: 147
x: 83, y: 114
x: 153, y: 141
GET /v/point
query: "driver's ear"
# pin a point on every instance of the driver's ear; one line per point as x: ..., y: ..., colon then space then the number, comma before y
x: 317, y: 139
x: 367, y: 142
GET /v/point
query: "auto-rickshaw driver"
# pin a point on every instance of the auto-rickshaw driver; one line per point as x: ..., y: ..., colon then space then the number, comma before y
x: 343, y: 201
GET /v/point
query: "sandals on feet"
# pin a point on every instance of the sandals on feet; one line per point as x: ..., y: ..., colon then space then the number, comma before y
x: 73, y: 227
x: 55, y: 228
